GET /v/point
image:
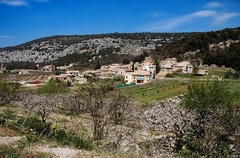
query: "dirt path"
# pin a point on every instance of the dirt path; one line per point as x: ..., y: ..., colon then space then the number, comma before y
x: 58, y: 151
x: 9, y: 140
x: 61, y: 152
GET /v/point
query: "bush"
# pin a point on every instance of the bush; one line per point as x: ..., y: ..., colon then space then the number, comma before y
x: 212, y: 132
x: 168, y: 75
x: 37, y: 125
x: 7, y: 151
x: 80, y: 143
x: 69, y: 138
x: 230, y: 74
x: 53, y: 86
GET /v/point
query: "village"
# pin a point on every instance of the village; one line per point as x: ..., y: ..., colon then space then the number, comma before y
x: 132, y: 73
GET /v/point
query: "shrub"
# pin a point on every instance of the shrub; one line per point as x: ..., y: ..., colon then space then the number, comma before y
x: 59, y: 134
x: 36, y: 124
x: 69, y: 138
x: 212, y: 132
x: 230, y: 74
x: 169, y: 75
x: 80, y: 143
x: 7, y: 151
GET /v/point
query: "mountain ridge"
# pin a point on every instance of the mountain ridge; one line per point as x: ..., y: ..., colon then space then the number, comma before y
x: 114, y: 47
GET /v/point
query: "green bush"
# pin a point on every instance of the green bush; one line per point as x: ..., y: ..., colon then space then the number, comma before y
x: 8, y: 114
x: 53, y: 86
x: 7, y: 151
x: 215, y: 123
x: 80, y: 143
x: 230, y: 74
x: 169, y: 75
x: 69, y: 138
x: 36, y: 124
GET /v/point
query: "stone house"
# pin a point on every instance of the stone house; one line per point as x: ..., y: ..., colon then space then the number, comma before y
x: 184, y: 66
x: 202, y: 72
x: 167, y: 68
x: 23, y: 71
x: 138, y: 77
x: 80, y: 79
x: 63, y: 77
x: 73, y: 72
x: 48, y: 68
x: 170, y: 64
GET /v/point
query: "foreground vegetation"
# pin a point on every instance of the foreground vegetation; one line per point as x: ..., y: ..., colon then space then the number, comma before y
x: 95, y: 117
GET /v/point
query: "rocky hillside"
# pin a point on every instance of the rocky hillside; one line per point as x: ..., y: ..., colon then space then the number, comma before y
x: 215, y: 47
x: 51, y: 48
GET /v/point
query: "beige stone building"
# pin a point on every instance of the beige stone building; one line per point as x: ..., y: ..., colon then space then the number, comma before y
x: 138, y: 77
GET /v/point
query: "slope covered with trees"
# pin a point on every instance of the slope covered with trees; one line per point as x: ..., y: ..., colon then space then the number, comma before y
x: 201, y: 41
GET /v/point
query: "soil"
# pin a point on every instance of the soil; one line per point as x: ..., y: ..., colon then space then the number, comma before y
x: 60, y: 152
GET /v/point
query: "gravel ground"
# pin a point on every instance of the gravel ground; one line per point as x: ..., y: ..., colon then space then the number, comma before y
x: 58, y: 151
x: 8, y: 140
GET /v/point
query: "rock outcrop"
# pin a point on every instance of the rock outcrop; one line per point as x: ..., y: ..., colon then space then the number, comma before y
x: 51, y: 48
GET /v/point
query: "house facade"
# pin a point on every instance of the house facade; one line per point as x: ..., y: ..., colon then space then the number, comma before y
x: 138, y: 77
x: 73, y: 72
x: 171, y: 65
x: 184, y: 66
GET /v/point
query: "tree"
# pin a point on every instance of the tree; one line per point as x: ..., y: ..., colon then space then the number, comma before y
x: 233, y: 56
x: 7, y: 91
x: 53, y: 86
x: 105, y: 105
x: 119, y: 105
x: 125, y: 61
x: 98, y: 65
x: 92, y: 97
x: 42, y: 104
x: 158, y: 66
x: 215, y: 126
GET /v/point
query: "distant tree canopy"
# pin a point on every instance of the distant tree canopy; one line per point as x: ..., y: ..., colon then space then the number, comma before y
x: 125, y: 61
x: 201, y: 41
x: 20, y: 65
x: 141, y: 57
x: 229, y: 57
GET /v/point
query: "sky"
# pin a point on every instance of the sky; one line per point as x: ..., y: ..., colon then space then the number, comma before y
x: 25, y: 20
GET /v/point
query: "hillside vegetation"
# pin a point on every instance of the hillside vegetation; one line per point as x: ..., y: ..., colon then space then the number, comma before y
x: 215, y: 47
x: 219, y: 47
x: 158, y: 119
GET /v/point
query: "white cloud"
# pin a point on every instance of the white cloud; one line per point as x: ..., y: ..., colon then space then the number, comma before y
x: 14, y: 2
x: 4, y: 36
x: 223, y: 17
x: 203, y: 13
x: 215, y: 16
x: 41, y: 0
x: 168, y: 24
x: 212, y: 5
x: 19, y: 2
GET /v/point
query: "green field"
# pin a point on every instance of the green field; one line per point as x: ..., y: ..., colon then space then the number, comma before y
x: 165, y: 89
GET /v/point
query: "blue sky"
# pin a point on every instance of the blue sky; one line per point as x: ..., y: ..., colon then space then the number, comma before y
x: 25, y: 20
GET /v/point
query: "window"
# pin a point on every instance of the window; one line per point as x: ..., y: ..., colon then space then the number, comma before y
x: 140, y: 77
